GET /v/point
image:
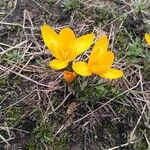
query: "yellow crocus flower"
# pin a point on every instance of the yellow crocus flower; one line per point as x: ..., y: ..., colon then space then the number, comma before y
x: 147, y: 38
x: 100, y: 62
x: 65, y: 47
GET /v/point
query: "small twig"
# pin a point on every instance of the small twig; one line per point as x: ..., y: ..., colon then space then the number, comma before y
x: 15, y: 4
x: 25, y: 77
x: 12, y: 47
x: 10, y: 106
x: 133, y: 131
x: 41, y: 6
x: 16, y: 24
x: 123, y: 145
x: 4, y: 140
x: 60, y: 104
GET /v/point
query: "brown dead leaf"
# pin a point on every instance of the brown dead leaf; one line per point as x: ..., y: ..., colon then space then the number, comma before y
x: 52, y: 86
x: 28, y: 15
x: 71, y: 108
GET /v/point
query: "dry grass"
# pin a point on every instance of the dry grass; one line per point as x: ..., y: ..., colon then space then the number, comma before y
x: 34, y: 101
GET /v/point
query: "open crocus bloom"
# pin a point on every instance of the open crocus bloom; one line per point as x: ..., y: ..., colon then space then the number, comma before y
x: 147, y: 38
x: 100, y: 62
x: 64, y: 46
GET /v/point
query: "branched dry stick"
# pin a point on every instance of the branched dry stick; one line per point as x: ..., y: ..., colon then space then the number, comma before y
x: 13, y: 47
x: 10, y: 106
x: 25, y: 77
x: 106, y: 103
x: 15, y: 4
x: 55, y: 109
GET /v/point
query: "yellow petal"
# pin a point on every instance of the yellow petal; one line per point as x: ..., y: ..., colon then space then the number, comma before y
x: 66, y: 41
x: 147, y: 38
x: 106, y: 59
x: 103, y: 63
x: 58, y: 64
x: 97, y: 69
x: 102, y: 43
x: 112, y: 73
x: 71, y: 56
x: 81, y: 68
x: 99, y: 48
x: 83, y: 43
x: 50, y: 38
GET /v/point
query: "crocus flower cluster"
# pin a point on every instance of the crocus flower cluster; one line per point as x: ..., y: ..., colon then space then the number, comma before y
x: 65, y: 47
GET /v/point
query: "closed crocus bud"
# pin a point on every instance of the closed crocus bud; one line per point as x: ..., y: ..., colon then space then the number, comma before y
x: 69, y: 76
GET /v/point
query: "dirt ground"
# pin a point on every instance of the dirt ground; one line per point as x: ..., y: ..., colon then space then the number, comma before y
x: 39, y: 111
